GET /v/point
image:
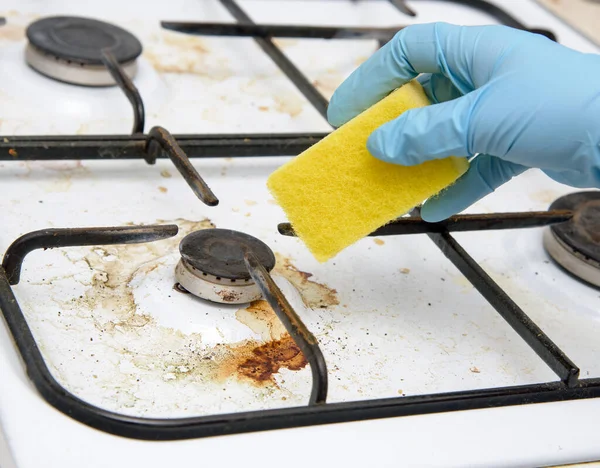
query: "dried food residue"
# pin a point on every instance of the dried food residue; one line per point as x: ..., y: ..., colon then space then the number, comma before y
x: 379, y: 241
x: 180, y: 53
x: 163, y: 189
x: 314, y: 295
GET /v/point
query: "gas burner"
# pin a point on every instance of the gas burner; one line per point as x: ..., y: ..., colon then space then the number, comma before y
x: 212, y: 265
x: 576, y: 245
x: 69, y: 49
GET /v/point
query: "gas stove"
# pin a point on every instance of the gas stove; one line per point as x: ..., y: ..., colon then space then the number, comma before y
x: 158, y: 308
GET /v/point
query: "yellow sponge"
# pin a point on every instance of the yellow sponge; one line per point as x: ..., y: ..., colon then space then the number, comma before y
x: 335, y: 193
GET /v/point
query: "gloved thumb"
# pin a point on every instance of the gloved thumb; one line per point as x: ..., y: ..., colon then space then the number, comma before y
x: 486, y: 173
x: 432, y: 132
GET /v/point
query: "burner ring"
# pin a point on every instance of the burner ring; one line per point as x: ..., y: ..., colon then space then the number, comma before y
x: 220, y: 253
x: 81, y: 40
x: 575, y: 245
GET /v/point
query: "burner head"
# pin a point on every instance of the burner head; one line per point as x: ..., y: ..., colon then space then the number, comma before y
x: 70, y: 49
x: 212, y: 265
x: 575, y: 245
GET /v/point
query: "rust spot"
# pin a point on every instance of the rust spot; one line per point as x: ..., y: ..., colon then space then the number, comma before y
x: 13, y: 152
x: 265, y: 360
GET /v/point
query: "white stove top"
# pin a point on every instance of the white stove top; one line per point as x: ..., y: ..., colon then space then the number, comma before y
x: 115, y: 333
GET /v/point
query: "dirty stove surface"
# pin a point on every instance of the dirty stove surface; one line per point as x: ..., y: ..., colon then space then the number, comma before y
x: 392, y: 315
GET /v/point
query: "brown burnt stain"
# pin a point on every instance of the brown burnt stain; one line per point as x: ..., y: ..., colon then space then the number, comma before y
x: 163, y: 189
x: 379, y: 241
x: 13, y: 152
x: 314, y: 295
x: 265, y: 360
x: 113, y: 268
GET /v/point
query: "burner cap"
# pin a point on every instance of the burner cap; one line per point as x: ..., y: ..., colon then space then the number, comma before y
x: 69, y: 49
x: 81, y: 40
x: 220, y: 252
x: 576, y: 245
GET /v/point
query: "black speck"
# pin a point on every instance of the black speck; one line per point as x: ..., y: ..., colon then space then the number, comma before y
x: 429, y: 304
x: 40, y: 201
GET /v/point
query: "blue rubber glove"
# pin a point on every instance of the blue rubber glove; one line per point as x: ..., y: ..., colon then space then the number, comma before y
x: 514, y: 100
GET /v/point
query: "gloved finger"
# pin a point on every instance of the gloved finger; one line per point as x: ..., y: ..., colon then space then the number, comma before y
x: 438, y: 88
x: 421, y: 48
x: 431, y: 132
x: 486, y: 173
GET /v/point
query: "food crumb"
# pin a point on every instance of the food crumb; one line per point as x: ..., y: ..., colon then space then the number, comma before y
x: 165, y: 173
x: 400, y: 392
x: 263, y: 108
x: 270, y: 201
x: 475, y: 370
x: 250, y: 202
x: 405, y: 271
x: 235, y: 209
x: 13, y: 152
x: 163, y: 189
x: 248, y: 215
x: 379, y: 241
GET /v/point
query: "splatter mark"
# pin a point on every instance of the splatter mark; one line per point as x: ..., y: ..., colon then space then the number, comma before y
x: 261, y: 319
x: 289, y: 104
x: 314, y: 295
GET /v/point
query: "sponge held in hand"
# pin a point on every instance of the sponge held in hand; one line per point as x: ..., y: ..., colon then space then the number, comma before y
x: 335, y: 193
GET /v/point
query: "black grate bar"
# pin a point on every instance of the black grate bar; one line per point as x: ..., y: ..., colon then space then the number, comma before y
x: 311, y: 93
x: 281, y: 30
x: 403, y: 7
x: 301, y: 335
x: 490, y: 9
x: 462, y: 223
x: 127, y: 86
x: 69, y: 237
x: 533, y: 335
x: 47, y: 148
x: 161, y: 141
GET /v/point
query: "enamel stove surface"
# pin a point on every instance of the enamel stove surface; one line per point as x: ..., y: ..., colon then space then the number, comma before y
x: 392, y: 315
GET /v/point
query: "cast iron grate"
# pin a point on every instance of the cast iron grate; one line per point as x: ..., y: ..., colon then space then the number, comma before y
x: 159, y: 143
